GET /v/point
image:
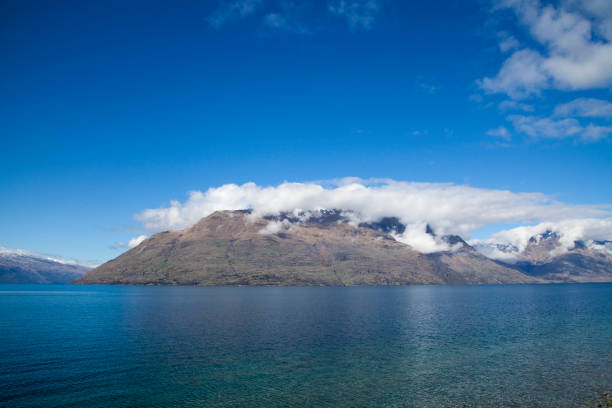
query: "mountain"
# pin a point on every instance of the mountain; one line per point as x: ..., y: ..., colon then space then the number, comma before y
x: 584, y: 262
x: 235, y: 248
x: 18, y: 266
x: 545, y: 257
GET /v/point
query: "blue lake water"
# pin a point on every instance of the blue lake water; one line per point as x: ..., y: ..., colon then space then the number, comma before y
x: 413, y: 346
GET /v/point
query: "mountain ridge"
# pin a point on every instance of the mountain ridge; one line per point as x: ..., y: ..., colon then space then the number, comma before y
x: 327, y: 248
x: 545, y: 257
x: 18, y: 266
x: 236, y: 248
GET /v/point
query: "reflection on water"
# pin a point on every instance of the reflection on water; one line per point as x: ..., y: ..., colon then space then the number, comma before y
x: 417, y: 346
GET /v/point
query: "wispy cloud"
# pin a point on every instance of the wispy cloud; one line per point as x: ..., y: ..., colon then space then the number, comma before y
x: 278, y: 21
x: 293, y: 16
x: 500, y: 132
x: 519, y: 77
x: 233, y: 9
x: 508, y: 42
x: 427, y: 86
x: 359, y: 14
x: 514, y: 105
x: 553, y: 128
x: 585, y: 107
x: 475, y: 98
x: 132, y: 243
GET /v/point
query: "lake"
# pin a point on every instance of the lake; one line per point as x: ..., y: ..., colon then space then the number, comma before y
x: 410, y: 346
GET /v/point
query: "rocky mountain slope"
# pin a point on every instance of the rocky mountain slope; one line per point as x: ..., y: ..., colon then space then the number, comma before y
x: 584, y: 262
x: 18, y: 266
x: 233, y: 248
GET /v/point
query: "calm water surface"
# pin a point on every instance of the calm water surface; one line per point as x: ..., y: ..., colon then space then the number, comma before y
x: 417, y: 346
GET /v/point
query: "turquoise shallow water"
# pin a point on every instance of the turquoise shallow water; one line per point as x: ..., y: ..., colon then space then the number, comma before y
x: 415, y: 346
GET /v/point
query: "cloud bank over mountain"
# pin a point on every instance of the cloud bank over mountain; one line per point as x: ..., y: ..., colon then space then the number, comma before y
x: 447, y: 208
x: 569, y: 231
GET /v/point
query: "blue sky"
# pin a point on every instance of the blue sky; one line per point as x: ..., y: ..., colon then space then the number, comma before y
x: 110, y: 108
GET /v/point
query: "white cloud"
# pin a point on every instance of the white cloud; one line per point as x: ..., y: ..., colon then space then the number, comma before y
x: 134, y: 242
x: 417, y: 237
x: 448, y: 208
x: 601, y: 12
x: 494, y: 249
x: 430, y: 87
x: 274, y: 227
x: 278, y: 21
x: 576, y: 40
x: 233, y: 9
x: 500, y: 132
x: 573, y: 52
x: 358, y: 13
x: 514, y: 105
x: 546, y: 127
x: 585, y: 107
x: 593, y: 133
x: 520, y: 76
x: 601, y: 246
x: 476, y: 98
x: 508, y: 43
x: 551, y: 128
x: 290, y: 15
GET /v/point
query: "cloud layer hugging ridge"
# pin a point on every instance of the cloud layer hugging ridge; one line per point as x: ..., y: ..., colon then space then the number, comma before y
x: 448, y: 208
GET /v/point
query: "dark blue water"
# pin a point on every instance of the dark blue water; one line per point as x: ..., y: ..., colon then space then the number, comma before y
x: 420, y: 346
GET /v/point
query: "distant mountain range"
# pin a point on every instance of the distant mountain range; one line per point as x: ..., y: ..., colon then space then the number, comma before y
x: 546, y: 258
x: 236, y: 248
x: 18, y: 266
